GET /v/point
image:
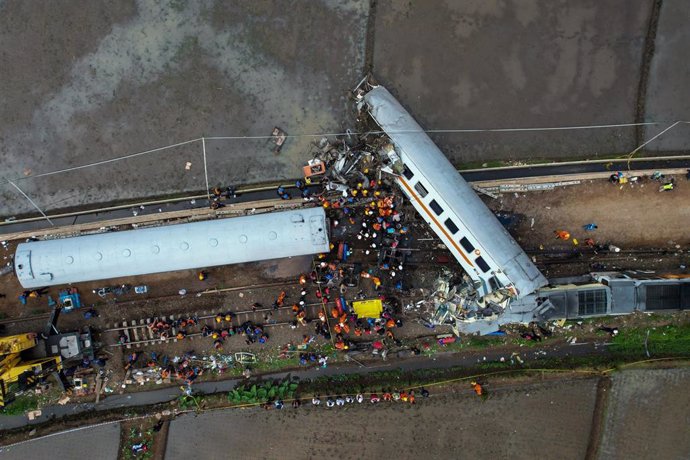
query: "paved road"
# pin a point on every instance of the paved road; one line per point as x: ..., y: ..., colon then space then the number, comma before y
x: 440, y: 361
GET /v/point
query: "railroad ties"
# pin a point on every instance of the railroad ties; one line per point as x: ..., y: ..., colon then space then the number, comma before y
x: 139, y: 334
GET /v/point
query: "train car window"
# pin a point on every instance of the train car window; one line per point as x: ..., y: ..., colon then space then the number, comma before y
x: 494, y: 283
x: 451, y: 226
x: 466, y: 244
x: 481, y: 263
x: 407, y: 173
x: 420, y: 188
x: 436, y: 207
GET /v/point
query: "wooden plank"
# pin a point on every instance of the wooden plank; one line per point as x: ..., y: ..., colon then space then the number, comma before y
x: 149, y: 321
x: 126, y: 332
x: 135, y: 332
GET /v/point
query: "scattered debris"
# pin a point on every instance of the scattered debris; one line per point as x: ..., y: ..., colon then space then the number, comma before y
x: 279, y: 137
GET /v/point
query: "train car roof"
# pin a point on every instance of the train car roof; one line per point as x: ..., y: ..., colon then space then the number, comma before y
x: 415, y: 146
x: 172, y: 247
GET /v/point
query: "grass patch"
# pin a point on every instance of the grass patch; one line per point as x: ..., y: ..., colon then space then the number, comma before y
x: 671, y: 340
x: 137, y: 439
x: 21, y: 405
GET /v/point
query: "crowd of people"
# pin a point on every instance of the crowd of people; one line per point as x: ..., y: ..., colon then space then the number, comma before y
x: 220, y: 195
x: 403, y: 396
x: 224, y: 329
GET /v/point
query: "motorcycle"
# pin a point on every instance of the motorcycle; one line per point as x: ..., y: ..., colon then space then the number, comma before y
x: 115, y: 290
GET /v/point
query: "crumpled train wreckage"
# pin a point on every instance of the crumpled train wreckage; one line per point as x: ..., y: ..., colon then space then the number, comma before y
x: 340, y: 163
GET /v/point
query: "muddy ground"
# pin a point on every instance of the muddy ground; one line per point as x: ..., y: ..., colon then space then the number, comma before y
x: 98, y: 443
x: 630, y: 216
x: 506, y: 425
x: 648, y: 225
x: 86, y: 81
x: 648, y: 415
x: 644, y: 417
x: 516, y: 64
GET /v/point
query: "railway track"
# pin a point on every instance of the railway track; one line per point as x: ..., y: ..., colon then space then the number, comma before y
x: 26, y: 319
x: 128, y: 302
x: 559, y: 258
x: 139, y: 334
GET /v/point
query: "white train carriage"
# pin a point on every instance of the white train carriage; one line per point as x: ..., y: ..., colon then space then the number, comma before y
x: 476, y: 238
x: 172, y: 247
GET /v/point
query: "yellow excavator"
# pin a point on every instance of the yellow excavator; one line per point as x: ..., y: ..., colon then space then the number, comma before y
x: 19, y: 368
x: 26, y: 359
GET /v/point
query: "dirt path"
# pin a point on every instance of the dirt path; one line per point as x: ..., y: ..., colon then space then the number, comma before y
x: 628, y: 216
x: 598, y: 418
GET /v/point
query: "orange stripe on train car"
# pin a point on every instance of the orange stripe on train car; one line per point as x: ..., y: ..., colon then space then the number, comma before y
x: 416, y: 198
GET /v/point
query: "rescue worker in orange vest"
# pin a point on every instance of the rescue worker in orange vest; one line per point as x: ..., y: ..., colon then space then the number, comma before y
x: 377, y: 282
x: 562, y: 235
x: 477, y: 388
x: 281, y: 298
x: 343, y: 322
x: 322, y: 316
x: 301, y: 318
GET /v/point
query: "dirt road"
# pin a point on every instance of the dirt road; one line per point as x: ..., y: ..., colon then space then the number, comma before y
x: 629, y: 216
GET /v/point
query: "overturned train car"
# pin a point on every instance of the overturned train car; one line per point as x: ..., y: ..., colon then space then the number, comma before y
x: 476, y: 238
x: 172, y: 247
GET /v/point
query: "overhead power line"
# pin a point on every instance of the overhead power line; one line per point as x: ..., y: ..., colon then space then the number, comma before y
x: 428, y: 131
